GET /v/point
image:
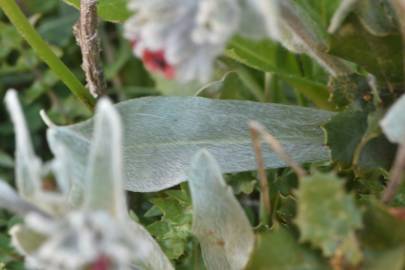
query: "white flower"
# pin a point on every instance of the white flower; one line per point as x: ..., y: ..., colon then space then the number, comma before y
x: 181, y: 38
x: 72, y: 225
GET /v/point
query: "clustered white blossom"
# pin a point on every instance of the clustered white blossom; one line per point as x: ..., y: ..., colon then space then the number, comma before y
x: 181, y: 39
x: 76, y: 226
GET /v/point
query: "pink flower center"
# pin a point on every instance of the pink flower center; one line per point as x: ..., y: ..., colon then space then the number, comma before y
x: 102, y: 263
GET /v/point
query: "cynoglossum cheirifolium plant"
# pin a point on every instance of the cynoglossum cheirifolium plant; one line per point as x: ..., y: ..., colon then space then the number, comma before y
x: 71, y: 225
x: 319, y: 226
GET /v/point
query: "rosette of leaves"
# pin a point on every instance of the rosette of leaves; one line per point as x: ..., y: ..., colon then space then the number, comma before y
x: 72, y: 225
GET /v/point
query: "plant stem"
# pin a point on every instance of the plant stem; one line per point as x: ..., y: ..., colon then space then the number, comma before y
x: 86, y: 32
x: 43, y: 50
x: 396, y: 175
x: 277, y: 148
x: 265, y: 203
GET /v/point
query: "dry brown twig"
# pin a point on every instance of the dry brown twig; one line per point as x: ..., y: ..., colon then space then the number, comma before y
x: 396, y: 176
x: 259, y: 132
x: 86, y: 34
x: 276, y: 146
x: 261, y: 169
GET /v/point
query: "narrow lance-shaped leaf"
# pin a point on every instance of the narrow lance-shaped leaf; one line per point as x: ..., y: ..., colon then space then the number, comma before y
x: 219, y: 221
x: 104, y: 181
x: 28, y: 165
x: 162, y: 133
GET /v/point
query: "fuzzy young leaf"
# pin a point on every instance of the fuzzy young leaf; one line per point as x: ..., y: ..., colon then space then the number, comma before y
x: 219, y: 222
x: 104, y: 186
x: 327, y: 216
x: 161, y: 134
x: 28, y: 165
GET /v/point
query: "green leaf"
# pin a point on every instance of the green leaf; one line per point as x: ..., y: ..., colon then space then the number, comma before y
x: 219, y: 222
x: 391, y: 259
x: 344, y: 133
x: 327, y: 216
x: 109, y: 10
x: 381, y: 229
x: 279, y: 250
x: 378, y: 17
x: 161, y: 134
x: 268, y: 56
x: 381, y: 56
x: 5, y: 160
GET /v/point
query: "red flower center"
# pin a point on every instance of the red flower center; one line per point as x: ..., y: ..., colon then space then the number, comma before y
x: 155, y: 61
x: 102, y: 263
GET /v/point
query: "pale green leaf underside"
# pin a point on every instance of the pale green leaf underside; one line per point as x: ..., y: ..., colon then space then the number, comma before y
x: 219, y: 221
x: 161, y: 134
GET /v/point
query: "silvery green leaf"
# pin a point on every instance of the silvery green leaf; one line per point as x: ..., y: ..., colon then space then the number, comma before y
x: 25, y: 240
x: 63, y: 166
x: 10, y: 201
x: 28, y: 165
x: 104, y: 187
x: 161, y: 134
x: 219, y: 222
x: 393, y: 124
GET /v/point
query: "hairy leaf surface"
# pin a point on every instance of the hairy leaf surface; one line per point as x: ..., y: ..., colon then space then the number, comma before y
x: 219, y: 222
x: 161, y: 134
